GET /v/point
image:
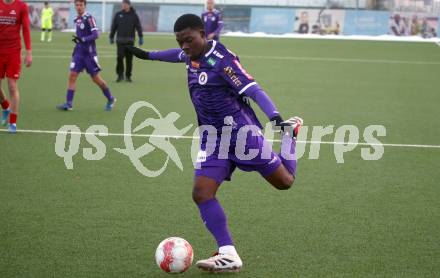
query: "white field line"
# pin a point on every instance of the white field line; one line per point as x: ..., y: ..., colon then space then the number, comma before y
x: 297, y: 58
x: 196, y: 137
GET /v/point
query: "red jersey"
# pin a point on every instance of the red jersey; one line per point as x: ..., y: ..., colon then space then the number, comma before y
x: 12, y: 17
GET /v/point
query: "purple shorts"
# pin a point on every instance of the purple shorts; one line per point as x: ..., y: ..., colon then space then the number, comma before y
x: 88, y: 62
x: 221, y: 169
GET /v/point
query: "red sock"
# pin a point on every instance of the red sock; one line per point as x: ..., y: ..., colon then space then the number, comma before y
x: 12, y: 118
x: 5, y: 104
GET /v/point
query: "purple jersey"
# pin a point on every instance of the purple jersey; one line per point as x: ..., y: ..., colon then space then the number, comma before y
x: 219, y: 88
x: 218, y: 85
x: 213, y: 22
x: 87, y: 31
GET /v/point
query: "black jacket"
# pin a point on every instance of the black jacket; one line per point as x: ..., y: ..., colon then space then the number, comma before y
x: 125, y: 24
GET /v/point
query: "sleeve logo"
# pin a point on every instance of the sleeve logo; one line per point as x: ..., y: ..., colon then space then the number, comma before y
x: 229, y: 71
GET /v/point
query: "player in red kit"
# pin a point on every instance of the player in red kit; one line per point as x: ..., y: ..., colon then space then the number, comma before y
x: 14, y: 16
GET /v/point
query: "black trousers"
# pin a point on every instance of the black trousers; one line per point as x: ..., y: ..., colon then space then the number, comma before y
x: 123, y: 53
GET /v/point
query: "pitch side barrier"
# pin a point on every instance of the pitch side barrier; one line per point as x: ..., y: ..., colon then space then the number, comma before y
x: 268, y: 21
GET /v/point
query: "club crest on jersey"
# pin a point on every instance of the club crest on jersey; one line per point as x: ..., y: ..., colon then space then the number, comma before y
x: 203, y: 78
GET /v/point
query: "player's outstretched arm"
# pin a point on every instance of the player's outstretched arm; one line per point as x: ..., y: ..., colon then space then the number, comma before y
x: 244, y: 84
x: 174, y: 55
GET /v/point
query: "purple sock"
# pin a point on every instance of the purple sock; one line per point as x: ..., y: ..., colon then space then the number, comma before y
x: 287, y: 155
x: 69, y: 96
x: 107, y: 93
x: 215, y: 220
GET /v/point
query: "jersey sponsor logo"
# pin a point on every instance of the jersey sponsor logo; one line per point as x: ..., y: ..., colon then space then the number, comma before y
x: 81, y: 26
x: 12, y: 12
x: 229, y: 71
x: 217, y: 54
x: 203, y: 78
x: 211, y: 61
x: 8, y: 20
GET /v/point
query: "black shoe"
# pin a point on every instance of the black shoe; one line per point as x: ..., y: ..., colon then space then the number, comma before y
x: 120, y: 78
x: 128, y: 79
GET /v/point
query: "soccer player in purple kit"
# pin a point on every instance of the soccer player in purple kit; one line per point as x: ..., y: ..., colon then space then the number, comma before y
x: 85, y: 57
x: 212, y: 19
x: 218, y: 84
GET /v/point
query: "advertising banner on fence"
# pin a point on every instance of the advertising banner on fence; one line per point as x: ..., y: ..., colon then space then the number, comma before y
x: 323, y: 22
x: 272, y: 20
x: 370, y: 23
x: 236, y: 18
x: 169, y: 13
x: 413, y: 24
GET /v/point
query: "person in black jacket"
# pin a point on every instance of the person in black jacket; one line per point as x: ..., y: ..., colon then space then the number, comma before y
x: 125, y: 23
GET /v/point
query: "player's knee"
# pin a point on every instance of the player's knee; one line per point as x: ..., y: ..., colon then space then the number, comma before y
x: 12, y: 87
x: 72, y: 77
x: 285, y: 182
x: 201, y: 195
x: 198, y: 195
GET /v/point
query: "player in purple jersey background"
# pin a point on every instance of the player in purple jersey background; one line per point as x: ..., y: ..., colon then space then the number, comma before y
x: 213, y: 22
x: 219, y: 86
x: 85, y: 57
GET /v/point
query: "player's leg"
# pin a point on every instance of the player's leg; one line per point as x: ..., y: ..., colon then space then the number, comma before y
x: 97, y: 79
x: 5, y: 106
x: 12, y: 73
x: 206, y: 184
x: 71, y: 86
x: 129, y: 65
x: 49, y: 34
x: 284, y: 176
x: 15, y: 102
x: 281, y: 178
x: 120, y: 62
x: 43, y: 34
x: 49, y: 30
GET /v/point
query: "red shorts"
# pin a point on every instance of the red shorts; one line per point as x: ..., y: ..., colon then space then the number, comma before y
x: 10, y: 65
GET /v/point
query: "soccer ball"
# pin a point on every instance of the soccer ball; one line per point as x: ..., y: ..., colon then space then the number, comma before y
x: 174, y: 255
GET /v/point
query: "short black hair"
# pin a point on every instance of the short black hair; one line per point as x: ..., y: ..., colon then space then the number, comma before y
x: 188, y: 21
